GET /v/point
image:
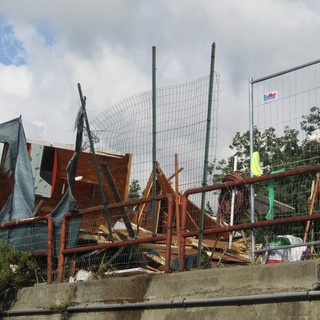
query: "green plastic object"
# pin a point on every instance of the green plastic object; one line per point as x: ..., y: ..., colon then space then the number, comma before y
x: 281, y: 241
x: 270, y: 214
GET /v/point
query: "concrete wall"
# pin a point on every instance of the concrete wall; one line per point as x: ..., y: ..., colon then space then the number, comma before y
x: 162, y: 296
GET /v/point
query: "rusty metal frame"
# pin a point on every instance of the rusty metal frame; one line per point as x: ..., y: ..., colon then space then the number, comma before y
x: 47, y: 253
x: 155, y: 237
x: 183, y: 230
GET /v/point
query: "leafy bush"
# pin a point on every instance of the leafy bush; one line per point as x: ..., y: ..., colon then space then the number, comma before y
x: 17, y: 270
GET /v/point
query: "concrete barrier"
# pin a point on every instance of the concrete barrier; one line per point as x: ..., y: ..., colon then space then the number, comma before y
x: 273, y: 291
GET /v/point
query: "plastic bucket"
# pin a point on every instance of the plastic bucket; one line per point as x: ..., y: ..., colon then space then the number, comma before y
x: 274, y: 255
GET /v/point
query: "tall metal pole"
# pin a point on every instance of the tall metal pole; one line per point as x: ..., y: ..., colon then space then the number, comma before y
x: 103, y: 197
x: 206, y: 152
x: 253, y: 240
x: 154, y: 140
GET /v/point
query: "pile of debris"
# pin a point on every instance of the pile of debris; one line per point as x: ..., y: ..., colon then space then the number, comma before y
x: 216, y: 249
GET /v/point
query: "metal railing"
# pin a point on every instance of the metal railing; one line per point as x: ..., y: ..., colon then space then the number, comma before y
x: 185, y: 233
x: 80, y: 236
x: 46, y: 248
x: 67, y: 250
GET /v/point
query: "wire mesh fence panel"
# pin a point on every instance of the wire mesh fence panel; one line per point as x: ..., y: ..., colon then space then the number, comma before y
x: 285, y: 117
x: 181, y: 122
x: 276, y: 223
x: 32, y: 239
x: 283, y: 198
x: 27, y: 238
x: 95, y: 247
x: 181, y: 119
x: 286, y: 135
x: 218, y: 245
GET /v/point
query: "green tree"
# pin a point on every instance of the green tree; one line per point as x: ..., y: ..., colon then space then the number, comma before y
x: 134, y: 190
x: 133, y: 193
x: 311, y: 121
x: 275, y: 152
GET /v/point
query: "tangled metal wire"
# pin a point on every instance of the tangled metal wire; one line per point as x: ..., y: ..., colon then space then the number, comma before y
x: 241, y: 198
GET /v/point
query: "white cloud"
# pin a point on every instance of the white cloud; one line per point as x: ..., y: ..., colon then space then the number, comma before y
x: 48, y: 83
x: 15, y: 81
x: 106, y: 46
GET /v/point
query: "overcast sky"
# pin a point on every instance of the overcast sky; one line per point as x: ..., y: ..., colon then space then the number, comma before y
x: 47, y: 47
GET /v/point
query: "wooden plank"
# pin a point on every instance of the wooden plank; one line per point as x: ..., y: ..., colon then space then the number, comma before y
x: 145, y: 193
x: 117, y: 197
x: 314, y: 195
x: 176, y: 194
x: 105, y: 230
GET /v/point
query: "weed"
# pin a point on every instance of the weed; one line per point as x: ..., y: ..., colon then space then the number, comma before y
x: 17, y: 270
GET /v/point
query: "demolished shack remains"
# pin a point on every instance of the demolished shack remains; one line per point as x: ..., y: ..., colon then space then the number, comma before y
x: 34, y: 182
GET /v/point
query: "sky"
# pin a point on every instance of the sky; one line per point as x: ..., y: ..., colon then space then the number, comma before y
x: 47, y: 47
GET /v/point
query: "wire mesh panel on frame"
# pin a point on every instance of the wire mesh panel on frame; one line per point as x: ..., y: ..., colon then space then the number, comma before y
x: 181, y: 118
x: 285, y: 132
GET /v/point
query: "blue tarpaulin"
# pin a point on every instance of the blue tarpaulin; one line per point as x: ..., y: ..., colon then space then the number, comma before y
x: 20, y: 203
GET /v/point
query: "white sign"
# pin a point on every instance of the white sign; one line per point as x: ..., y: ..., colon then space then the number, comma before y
x: 270, y: 96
